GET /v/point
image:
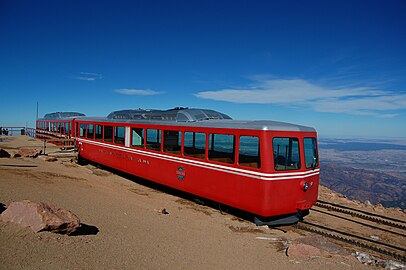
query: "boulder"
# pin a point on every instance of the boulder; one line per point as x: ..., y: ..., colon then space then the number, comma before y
x: 314, y: 245
x: 300, y: 249
x: 29, y: 152
x: 4, y: 154
x: 41, y: 217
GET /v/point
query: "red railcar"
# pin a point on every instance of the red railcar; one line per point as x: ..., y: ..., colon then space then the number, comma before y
x: 267, y: 168
x: 56, y: 127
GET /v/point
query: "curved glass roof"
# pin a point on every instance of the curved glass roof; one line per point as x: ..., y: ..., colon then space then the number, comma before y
x: 177, y: 114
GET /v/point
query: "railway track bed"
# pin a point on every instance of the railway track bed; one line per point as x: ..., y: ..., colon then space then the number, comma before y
x: 377, y: 234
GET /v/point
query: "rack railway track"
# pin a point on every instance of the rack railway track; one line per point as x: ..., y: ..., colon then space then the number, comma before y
x: 394, y: 227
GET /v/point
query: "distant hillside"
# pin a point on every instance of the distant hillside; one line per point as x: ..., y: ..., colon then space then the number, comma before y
x: 364, y: 185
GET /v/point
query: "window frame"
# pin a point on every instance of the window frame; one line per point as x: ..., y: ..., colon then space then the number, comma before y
x: 288, y: 155
x: 142, y: 145
x: 248, y: 157
x: 116, y: 139
x: 315, y: 154
x: 179, y: 140
x: 221, y: 156
x: 151, y: 145
x: 194, y: 152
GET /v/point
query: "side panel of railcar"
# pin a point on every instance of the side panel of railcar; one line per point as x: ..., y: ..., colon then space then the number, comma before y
x: 264, y: 191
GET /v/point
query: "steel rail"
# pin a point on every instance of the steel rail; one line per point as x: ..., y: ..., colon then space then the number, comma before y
x: 365, y: 215
x: 358, y: 222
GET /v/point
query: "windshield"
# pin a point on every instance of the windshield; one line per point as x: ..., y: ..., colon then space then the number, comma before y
x: 286, y: 154
x: 311, y: 155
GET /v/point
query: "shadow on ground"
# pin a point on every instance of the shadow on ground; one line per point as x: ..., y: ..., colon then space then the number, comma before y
x: 2, y: 208
x: 223, y: 209
x: 85, y: 229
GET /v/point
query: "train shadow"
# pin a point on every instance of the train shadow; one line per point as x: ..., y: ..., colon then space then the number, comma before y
x: 221, y: 208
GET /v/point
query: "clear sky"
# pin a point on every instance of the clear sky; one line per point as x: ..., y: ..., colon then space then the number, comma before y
x: 338, y: 66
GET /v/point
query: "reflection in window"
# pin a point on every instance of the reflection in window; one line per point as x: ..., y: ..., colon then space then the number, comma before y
x: 82, y: 132
x: 221, y: 148
x: 310, y: 151
x: 172, y: 141
x: 137, y: 138
x: 119, y: 135
x: 154, y: 139
x: 99, y: 132
x: 249, y: 152
x: 286, y: 153
x: 195, y: 144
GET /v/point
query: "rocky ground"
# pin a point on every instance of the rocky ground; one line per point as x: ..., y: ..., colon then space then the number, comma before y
x: 130, y: 224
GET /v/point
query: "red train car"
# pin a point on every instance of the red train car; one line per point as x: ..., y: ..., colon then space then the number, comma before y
x: 267, y: 168
x: 56, y: 126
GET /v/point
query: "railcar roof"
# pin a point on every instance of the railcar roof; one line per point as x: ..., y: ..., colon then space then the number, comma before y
x: 223, y: 123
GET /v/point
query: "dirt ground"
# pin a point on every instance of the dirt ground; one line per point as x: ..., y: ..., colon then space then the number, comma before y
x: 126, y: 227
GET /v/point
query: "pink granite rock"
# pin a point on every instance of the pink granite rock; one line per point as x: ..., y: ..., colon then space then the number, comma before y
x: 41, y: 217
x: 29, y: 152
x: 300, y: 249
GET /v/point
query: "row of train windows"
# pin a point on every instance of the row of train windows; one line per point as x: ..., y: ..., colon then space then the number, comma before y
x: 221, y: 146
x: 61, y: 127
x: 286, y: 153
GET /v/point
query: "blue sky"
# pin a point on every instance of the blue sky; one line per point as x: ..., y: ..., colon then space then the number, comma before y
x: 339, y: 66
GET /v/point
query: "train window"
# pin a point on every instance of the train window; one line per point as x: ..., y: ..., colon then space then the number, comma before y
x: 119, y: 135
x: 286, y: 154
x: 249, y: 152
x: 82, y: 131
x: 154, y: 139
x: 99, y: 132
x: 195, y: 144
x: 310, y: 152
x: 108, y: 133
x: 172, y: 141
x: 221, y: 148
x: 137, y: 139
x: 90, y: 131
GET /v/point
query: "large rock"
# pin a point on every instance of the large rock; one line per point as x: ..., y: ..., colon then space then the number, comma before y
x: 29, y: 152
x: 314, y: 245
x: 4, y: 154
x: 41, y: 217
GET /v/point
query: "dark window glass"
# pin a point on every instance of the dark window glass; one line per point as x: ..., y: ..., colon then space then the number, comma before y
x: 82, y: 132
x: 137, y: 139
x: 90, y: 131
x: 286, y: 154
x: 310, y: 152
x: 249, y: 152
x: 119, y: 135
x: 195, y: 144
x: 221, y: 148
x: 154, y: 139
x: 99, y: 132
x: 172, y: 141
x: 108, y: 133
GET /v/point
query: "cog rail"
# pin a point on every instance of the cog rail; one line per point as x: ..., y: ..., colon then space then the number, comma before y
x: 363, y: 214
x: 327, y: 232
